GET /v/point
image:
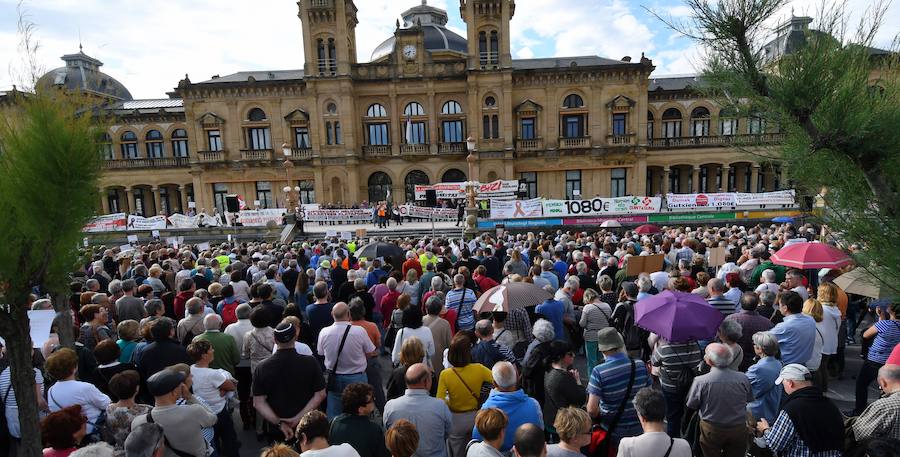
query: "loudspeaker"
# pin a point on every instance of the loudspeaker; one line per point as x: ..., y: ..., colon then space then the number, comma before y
x: 431, y: 198
x: 231, y: 204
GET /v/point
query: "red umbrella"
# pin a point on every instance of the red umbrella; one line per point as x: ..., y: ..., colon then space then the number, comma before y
x: 811, y: 255
x: 647, y: 229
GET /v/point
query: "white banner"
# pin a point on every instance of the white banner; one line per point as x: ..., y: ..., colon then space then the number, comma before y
x: 107, y: 223
x: 181, y: 221
x: 422, y: 212
x: 779, y: 197
x: 146, y: 223
x: 453, y: 190
x: 261, y: 217
x: 207, y: 220
x: 348, y: 215
x: 511, y: 209
x: 600, y: 206
x: 720, y: 200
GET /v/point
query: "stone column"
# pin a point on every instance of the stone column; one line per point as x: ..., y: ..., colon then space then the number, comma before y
x: 724, y: 171
x: 664, y: 189
x: 157, y: 201
x: 182, y: 199
x: 130, y: 204
x: 754, y: 178
x: 104, y: 200
x: 783, y: 176
x: 696, y: 180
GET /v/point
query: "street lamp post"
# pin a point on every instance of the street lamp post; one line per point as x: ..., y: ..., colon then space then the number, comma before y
x: 290, y: 193
x: 471, y: 222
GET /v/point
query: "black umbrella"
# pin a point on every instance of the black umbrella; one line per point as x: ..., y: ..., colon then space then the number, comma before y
x: 381, y: 249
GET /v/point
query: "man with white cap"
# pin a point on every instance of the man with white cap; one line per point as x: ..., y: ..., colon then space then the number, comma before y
x: 808, y: 424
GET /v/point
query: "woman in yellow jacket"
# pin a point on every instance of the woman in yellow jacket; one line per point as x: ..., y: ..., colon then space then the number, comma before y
x: 460, y: 386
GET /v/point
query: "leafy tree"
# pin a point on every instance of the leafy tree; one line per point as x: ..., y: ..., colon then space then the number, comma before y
x: 49, y: 169
x: 837, y: 100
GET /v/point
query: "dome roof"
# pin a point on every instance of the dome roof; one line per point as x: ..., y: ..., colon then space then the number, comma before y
x: 82, y: 72
x: 433, y: 23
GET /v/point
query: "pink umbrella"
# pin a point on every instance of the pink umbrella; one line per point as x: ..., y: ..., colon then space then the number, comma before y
x: 647, y: 229
x: 811, y: 255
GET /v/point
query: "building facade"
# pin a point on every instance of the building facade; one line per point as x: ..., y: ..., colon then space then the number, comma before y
x: 568, y: 127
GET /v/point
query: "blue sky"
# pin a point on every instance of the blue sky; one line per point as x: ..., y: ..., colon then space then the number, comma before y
x: 150, y: 46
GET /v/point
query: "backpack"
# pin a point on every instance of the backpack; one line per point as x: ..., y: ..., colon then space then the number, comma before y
x: 228, y: 313
x: 633, y: 335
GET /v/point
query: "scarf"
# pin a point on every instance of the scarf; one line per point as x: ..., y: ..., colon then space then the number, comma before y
x: 816, y: 419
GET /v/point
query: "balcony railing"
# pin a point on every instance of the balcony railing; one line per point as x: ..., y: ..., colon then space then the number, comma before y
x: 327, y: 66
x: 529, y: 144
x: 256, y: 155
x: 210, y: 156
x: 620, y: 140
x: 581, y: 142
x: 488, y: 58
x: 301, y: 154
x: 721, y: 140
x: 321, y: 4
x: 452, y: 148
x: 164, y: 162
x: 415, y: 149
x: 376, y: 150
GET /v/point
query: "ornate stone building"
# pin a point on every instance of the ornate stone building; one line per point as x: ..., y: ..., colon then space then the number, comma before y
x: 567, y: 127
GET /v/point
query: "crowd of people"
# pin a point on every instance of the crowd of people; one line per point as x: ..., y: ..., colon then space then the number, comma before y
x: 326, y: 354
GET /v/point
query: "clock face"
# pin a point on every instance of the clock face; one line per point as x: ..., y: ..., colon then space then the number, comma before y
x: 409, y: 51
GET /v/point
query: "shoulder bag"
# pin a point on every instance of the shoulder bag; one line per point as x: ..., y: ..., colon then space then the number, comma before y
x: 331, y: 375
x: 483, y: 393
x: 601, y: 437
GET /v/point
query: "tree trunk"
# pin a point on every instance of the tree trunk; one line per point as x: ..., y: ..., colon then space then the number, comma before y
x: 880, y: 185
x: 15, y: 330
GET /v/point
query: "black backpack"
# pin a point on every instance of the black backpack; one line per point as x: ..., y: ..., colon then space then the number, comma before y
x: 633, y: 335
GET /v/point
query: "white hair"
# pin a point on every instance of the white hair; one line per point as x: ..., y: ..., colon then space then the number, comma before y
x: 768, y: 275
x: 212, y: 321
x: 504, y: 374
x: 95, y: 450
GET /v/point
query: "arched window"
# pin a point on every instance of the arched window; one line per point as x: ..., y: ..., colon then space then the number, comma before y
x: 413, y: 109
x: 256, y: 115
x: 671, y: 120
x: 331, y: 108
x: 179, y: 143
x: 700, y: 122
x: 573, y: 101
x: 154, y: 144
x: 728, y: 123
x: 376, y: 110
x: 379, y: 186
x: 649, y: 125
x: 756, y: 123
x: 451, y: 107
x: 106, y: 147
x: 488, y: 47
x: 129, y: 145
x: 413, y: 179
x: 453, y: 175
x: 490, y: 102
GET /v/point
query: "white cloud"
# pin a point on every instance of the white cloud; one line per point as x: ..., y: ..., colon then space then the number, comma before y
x: 525, y: 53
x: 680, y: 11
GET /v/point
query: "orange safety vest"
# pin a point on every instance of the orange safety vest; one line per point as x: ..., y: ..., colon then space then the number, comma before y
x: 381, y: 212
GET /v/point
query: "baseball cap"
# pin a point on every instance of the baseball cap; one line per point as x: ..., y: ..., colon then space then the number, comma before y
x: 285, y: 333
x: 165, y: 381
x: 793, y: 372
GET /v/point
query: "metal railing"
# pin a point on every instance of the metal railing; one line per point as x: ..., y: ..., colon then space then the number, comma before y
x: 327, y: 65
x: 529, y: 144
x: 256, y: 155
x: 718, y: 140
x: 321, y: 4
x: 415, y: 149
x: 376, y: 150
x: 489, y: 58
x: 581, y: 142
x: 163, y: 162
x: 210, y: 156
x: 452, y: 148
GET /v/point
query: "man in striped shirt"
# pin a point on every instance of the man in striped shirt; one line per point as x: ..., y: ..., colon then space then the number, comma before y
x: 676, y: 362
x: 608, y: 386
x: 717, y: 298
x: 461, y: 299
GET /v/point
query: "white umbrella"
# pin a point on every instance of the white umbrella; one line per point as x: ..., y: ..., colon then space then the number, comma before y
x: 611, y: 224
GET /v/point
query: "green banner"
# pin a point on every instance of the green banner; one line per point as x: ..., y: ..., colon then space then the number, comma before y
x: 689, y: 217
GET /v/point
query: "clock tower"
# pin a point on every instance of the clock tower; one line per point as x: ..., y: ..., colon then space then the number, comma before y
x: 329, y: 36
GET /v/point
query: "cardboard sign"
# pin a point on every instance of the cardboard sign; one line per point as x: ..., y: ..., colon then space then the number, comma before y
x: 172, y: 241
x: 331, y: 233
x: 346, y: 236
x: 85, y: 240
x: 361, y: 233
x: 132, y: 238
x: 717, y: 256
x: 203, y: 247
x: 192, y: 205
x: 155, y: 233
x: 644, y: 264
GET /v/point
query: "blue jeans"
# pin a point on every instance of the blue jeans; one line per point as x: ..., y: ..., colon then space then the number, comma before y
x: 334, y: 408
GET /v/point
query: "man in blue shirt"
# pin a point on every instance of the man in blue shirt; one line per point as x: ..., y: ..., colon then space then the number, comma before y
x: 547, y: 272
x: 376, y: 274
x: 507, y: 397
x: 559, y: 265
x: 553, y: 311
x: 797, y: 333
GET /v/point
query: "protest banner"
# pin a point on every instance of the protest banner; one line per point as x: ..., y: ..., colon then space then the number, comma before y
x: 514, y: 209
x: 107, y: 223
x: 39, y: 324
x: 261, y: 217
x: 182, y: 221
x: 424, y: 212
x: 601, y: 206
x: 453, y: 190
x: 719, y: 200
x: 779, y: 197
x: 146, y: 223
x: 337, y: 215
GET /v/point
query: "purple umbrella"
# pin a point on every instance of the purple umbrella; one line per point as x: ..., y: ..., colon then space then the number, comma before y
x: 678, y: 316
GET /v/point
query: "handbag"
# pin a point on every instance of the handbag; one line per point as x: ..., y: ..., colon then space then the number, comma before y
x: 601, y: 437
x: 331, y: 374
x: 483, y: 393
